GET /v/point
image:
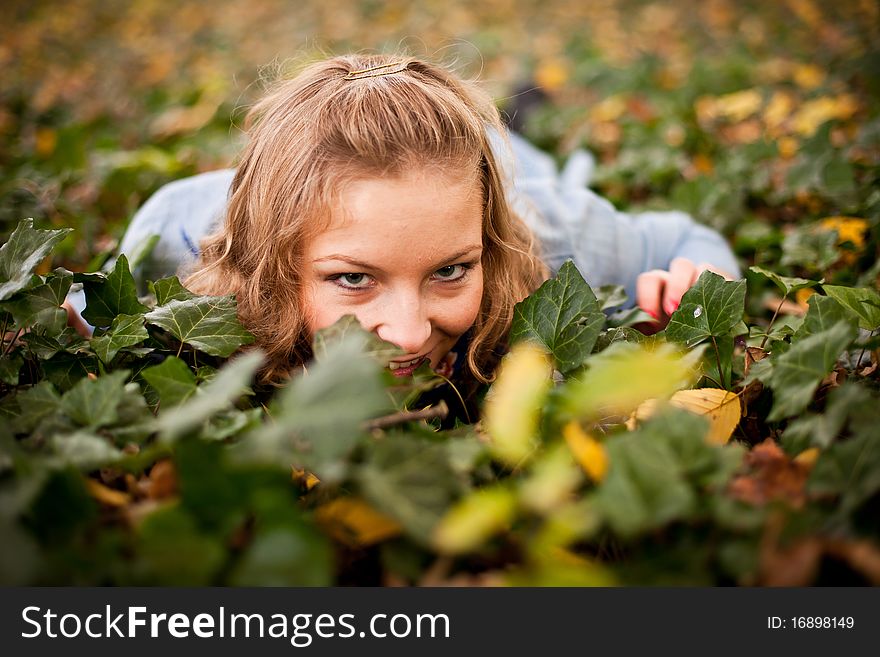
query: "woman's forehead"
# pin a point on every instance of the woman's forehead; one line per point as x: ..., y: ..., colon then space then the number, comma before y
x: 419, y: 213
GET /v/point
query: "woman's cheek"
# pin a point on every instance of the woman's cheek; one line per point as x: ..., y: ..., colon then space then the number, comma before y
x: 464, y: 310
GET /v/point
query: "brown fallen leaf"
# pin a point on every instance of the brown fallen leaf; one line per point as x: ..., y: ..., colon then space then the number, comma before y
x: 752, y: 356
x: 353, y: 522
x: 771, y: 475
x: 162, y: 482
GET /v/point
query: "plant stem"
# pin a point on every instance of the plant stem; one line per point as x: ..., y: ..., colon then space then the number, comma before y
x: 718, y: 360
x: 859, y: 361
x: 772, y: 319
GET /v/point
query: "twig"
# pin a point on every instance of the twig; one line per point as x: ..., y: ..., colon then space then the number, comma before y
x: 772, y: 319
x: 8, y: 347
x: 441, y: 410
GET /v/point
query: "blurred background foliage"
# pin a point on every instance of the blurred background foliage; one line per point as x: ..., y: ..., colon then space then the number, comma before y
x: 760, y: 118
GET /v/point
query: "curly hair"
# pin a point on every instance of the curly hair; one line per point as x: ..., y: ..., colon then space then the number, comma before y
x: 328, y: 126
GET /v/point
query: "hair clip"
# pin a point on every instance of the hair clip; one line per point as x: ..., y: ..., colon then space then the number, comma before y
x: 377, y: 71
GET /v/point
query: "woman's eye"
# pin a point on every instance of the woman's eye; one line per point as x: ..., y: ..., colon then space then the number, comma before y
x: 352, y: 281
x: 450, y: 272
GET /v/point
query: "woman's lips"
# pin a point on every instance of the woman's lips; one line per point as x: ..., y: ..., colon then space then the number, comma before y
x: 406, y: 368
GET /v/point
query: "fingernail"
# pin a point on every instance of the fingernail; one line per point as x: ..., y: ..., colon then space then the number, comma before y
x: 671, y: 307
x: 653, y: 314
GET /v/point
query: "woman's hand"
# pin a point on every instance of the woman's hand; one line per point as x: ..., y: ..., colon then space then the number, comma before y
x: 659, y: 292
x: 75, y: 321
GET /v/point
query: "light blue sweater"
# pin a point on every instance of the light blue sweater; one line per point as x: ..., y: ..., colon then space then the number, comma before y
x: 569, y: 220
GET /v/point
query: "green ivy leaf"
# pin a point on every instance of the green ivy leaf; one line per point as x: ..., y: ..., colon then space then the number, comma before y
x: 646, y: 486
x: 9, y: 367
x: 822, y: 313
x: 41, y: 303
x: 65, y: 370
x: 711, y: 307
x: 563, y: 316
x: 21, y: 254
x: 410, y: 480
x: 35, y: 404
x: 229, y: 384
x: 171, y: 550
x: 84, y: 450
x: 862, y: 301
x: 815, y: 251
x: 125, y: 331
x: 850, y: 469
x: 317, y: 419
x: 787, y: 284
x: 206, y: 323
x: 611, y: 296
x: 348, y: 328
x: 798, y: 372
x: 93, y: 403
x: 116, y: 295
x: 821, y: 429
x: 172, y: 379
x: 169, y: 289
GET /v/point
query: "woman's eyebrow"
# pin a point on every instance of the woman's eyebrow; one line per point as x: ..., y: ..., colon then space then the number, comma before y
x: 451, y: 259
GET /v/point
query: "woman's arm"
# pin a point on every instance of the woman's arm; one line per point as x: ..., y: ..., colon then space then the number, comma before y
x: 656, y: 256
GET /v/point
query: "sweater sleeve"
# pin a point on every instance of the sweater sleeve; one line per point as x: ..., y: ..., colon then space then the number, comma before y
x: 608, y: 246
x: 181, y: 214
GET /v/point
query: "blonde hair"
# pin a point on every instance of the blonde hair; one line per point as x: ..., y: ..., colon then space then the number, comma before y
x: 314, y: 133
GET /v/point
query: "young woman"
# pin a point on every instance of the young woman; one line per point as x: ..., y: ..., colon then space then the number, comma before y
x: 387, y: 187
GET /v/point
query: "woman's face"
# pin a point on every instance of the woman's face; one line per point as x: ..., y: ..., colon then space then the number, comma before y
x: 402, y: 254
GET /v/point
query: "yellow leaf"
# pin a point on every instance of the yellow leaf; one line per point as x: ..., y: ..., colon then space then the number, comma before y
x: 815, y: 112
x: 588, y: 451
x: 808, y: 76
x: 107, y: 495
x: 473, y: 520
x: 513, y: 406
x: 807, y: 11
x: 778, y: 111
x: 46, y: 140
x: 788, y: 147
x: 551, y: 74
x: 808, y: 457
x: 720, y: 407
x: 734, y: 107
x: 849, y: 229
x: 802, y: 295
x: 354, y: 522
x: 552, y: 480
x: 608, y: 109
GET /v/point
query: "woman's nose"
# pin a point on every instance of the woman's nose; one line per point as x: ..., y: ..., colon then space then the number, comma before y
x: 405, y: 326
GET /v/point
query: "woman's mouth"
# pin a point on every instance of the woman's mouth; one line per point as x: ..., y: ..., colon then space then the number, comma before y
x: 407, y: 367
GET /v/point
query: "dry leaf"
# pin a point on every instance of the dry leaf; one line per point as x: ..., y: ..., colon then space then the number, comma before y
x: 162, y: 482
x: 355, y: 523
x: 771, y: 475
x: 303, y: 478
x: 588, y: 451
x: 720, y: 407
